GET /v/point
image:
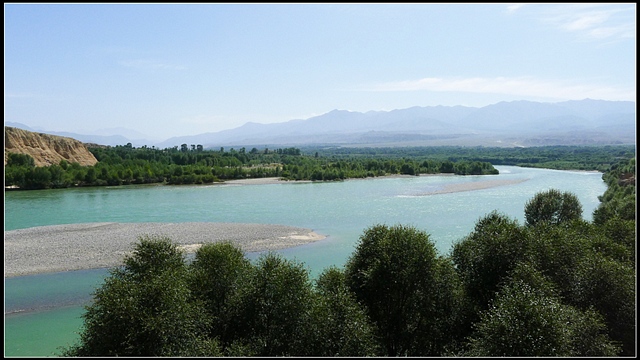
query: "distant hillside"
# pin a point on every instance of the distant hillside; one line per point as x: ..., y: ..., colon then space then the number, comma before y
x: 516, y: 123
x: 507, y: 124
x: 45, y: 149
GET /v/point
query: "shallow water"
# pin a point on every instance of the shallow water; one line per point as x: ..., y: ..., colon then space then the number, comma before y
x: 44, y: 309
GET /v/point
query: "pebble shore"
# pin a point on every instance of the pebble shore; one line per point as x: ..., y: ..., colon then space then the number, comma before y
x: 58, y: 248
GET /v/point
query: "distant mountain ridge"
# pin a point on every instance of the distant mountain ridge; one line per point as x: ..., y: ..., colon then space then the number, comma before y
x: 514, y: 123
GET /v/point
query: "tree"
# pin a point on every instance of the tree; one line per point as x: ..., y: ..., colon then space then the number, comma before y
x: 622, y: 232
x: 446, y: 167
x: 487, y: 255
x: 394, y: 273
x: 552, y: 206
x: 15, y: 175
x: 37, y: 177
x: 592, y: 267
x: 143, y: 309
x: 215, y: 274
x: 268, y: 313
x: 338, y: 325
x: 14, y: 159
x: 57, y: 175
x: 623, y: 207
x: 528, y: 319
x: 91, y: 176
x: 619, y: 200
x: 407, y: 169
x: 609, y: 286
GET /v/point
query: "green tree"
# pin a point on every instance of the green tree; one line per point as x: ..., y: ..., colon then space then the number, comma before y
x: 593, y: 268
x: 622, y: 232
x: 621, y: 207
x: 447, y: 167
x: 143, y: 309
x: 215, y: 273
x: 269, y: 311
x: 57, y: 175
x: 407, y: 169
x: 15, y: 176
x: 14, y: 159
x: 552, y: 206
x: 91, y: 176
x: 528, y: 319
x: 619, y: 200
x: 609, y: 286
x: 338, y: 325
x: 38, y: 178
x: 487, y: 255
x: 394, y: 274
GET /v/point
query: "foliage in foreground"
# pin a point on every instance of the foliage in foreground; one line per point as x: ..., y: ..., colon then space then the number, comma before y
x: 408, y: 291
x: 396, y: 297
x: 527, y: 318
x: 559, y: 287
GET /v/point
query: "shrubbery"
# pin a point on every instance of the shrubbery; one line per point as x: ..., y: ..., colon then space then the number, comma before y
x: 507, y: 290
x: 124, y: 165
x: 555, y: 286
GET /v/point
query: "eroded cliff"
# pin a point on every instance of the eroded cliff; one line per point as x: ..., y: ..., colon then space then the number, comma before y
x: 44, y: 148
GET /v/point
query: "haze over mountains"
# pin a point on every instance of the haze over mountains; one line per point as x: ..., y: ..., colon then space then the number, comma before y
x: 515, y: 123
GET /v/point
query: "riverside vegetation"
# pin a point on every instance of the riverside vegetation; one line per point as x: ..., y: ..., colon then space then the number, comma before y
x: 122, y: 165
x: 556, y: 285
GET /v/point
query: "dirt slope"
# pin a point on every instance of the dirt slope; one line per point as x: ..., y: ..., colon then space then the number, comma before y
x: 44, y: 148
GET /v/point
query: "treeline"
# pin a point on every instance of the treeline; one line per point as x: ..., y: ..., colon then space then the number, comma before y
x: 123, y: 165
x: 324, y: 168
x: 599, y: 158
x: 619, y: 200
x: 555, y: 286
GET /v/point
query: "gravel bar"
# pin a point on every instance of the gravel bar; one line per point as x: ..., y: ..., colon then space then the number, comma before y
x: 56, y: 248
x: 476, y: 185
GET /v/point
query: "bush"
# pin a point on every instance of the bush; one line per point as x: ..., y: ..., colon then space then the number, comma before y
x: 394, y: 274
x: 527, y: 319
x: 143, y: 309
x: 485, y: 257
x: 553, y: 207
x: 214, y: 275
x: 338, y: 326
x: 269, y: 311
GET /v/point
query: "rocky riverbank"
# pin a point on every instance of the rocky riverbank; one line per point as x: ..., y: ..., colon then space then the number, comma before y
x: 58, y: 248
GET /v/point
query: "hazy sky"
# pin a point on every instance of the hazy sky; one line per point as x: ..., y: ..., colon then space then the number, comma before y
x: 170, y: 70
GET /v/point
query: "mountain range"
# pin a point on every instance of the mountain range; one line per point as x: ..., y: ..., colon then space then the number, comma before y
x: 514, y: 123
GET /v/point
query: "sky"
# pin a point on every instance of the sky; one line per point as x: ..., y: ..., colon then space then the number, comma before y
x: 166, y: 70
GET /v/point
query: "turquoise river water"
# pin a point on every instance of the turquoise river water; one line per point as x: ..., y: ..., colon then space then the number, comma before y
x: 42, y: 312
